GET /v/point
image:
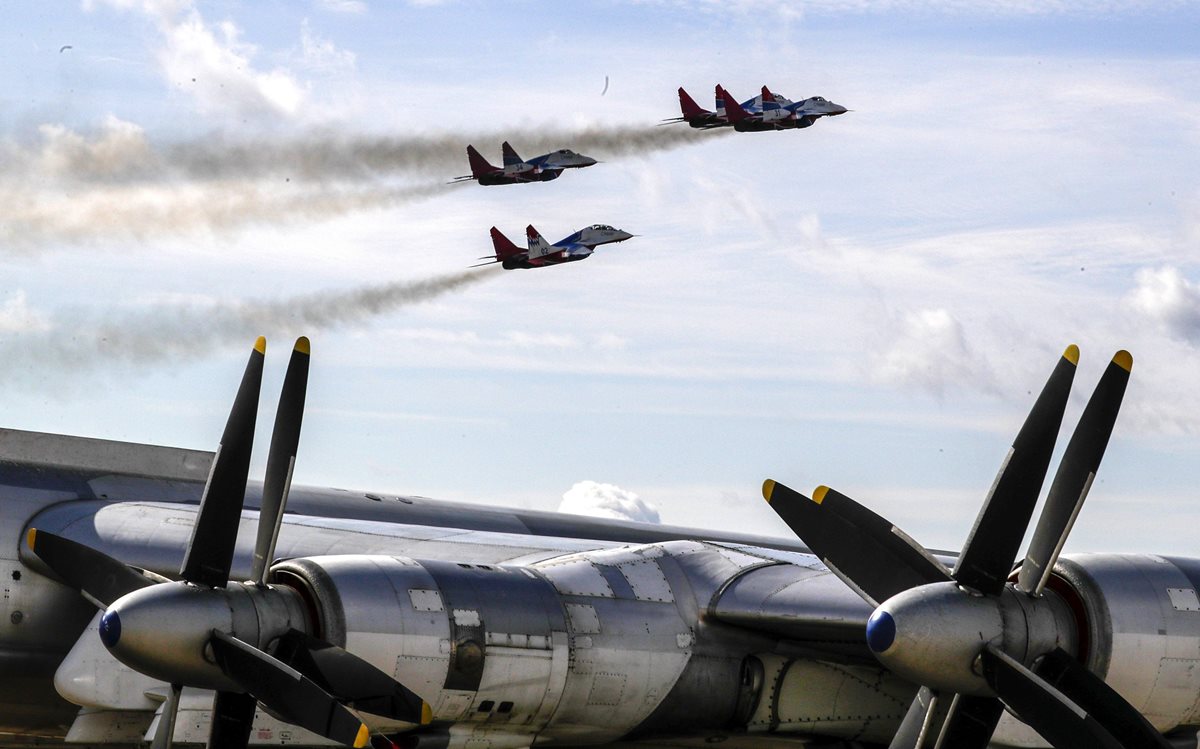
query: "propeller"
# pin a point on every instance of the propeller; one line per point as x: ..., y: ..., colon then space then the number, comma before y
x: 253, y: 631
x: 968, y: 637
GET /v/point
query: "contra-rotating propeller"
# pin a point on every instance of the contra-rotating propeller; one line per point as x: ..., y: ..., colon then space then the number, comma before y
x: 246, y: 640
x: 972, y: 640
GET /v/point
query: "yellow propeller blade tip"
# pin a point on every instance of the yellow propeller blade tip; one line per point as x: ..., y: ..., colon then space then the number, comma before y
x: 302, y: 345
x: 260, y: 345
x: 819, y: 494
x: 363, y: 738
x: 31, y: 538
x: 1072, y: 354
x: 768, y: 489
x: 426, y: 714
x: 1124, y: 360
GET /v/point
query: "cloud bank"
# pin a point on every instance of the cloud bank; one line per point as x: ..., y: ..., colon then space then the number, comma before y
x: 607, y: 501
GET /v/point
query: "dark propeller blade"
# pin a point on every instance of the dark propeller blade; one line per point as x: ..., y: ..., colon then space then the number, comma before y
x: 971, y: 722
x: 988, y: 555
x: 164, y: 735
x: 281, y: 460
x: 99, y: 577
x: 232, y: 720
x: 210, y: 551
x: 1075, y: 474
x: 1100, y: 700
x: 869, y: 553
x: 350, y: 679
x: 286, y: 692
x: 1048, y: 711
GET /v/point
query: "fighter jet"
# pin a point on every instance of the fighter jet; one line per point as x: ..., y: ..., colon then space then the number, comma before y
x: 516, y: 170
x: 767, y: 111
x: 775, y: 112
x: 540, y: 253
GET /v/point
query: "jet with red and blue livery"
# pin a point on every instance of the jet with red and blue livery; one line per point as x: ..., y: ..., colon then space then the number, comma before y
x: 540, y: 253
x: 774, y: 112
x: 767, y: 111
x: 516, y: 170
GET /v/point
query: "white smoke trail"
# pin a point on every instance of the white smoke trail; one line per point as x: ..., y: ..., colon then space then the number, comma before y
x: 170, y: 333
x: 139, y: 212
x: 122, y: 153
x: 120, y: 184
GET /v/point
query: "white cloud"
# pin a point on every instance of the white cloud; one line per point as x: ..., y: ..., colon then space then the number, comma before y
x: 320, y: 55
x: 930, y: 350
x: 16, y: 316
x: 1166, y: 297
x: 212, y: 64
x: 343, y: 6
x: 607, y: 501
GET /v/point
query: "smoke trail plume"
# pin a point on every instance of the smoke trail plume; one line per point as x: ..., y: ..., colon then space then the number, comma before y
x: 171, y: 333
x: 122, y: 153
x: 120, y: 184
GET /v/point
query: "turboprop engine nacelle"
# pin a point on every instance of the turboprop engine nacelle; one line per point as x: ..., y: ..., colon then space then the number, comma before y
x: 502, y: 646
x: 593, y: 646
x: 1139, y: 627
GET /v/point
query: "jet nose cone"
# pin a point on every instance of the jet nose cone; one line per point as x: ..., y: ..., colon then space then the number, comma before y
x: 588, y: 161
x: 839, y: 109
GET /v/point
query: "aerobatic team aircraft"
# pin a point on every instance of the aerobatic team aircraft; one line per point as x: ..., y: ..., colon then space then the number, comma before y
x: 540, y: 253
x: 354, y: 618
x: 767, y: 111
x: 516, y: 170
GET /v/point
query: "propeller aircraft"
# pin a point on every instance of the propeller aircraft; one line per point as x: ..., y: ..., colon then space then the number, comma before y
x: 308, y: 617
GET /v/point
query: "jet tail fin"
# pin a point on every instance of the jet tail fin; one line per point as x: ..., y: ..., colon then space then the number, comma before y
x: 733, y: 110
x: 510, y: 156
x: 538, y: 246
x: 689, y: 107
x: 479, y: 165
x: 768, y: 100
x: 505, y: 249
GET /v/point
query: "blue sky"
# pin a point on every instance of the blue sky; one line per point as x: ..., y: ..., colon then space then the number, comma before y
x: 869, y: 303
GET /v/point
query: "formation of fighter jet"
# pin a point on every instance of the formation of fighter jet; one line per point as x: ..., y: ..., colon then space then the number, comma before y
x: 767, y: 111
x: 407, y: 622
x: 517, y: 170
x: 540, y: 253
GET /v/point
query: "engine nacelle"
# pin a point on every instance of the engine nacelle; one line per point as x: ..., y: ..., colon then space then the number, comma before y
x: 590, y: 647
x: 506, y: 648
x: 1139, y: 628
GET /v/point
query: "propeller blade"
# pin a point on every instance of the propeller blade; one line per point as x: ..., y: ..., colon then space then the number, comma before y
x: 210, y: 551
x: 165, y: 733
x: 874, y: 557
x: 1048, y: 711
x: 286, y: 692
x: 350, y: 679
x: 971, y: 722
x: 232, y: 720
x: 1090, y: 692
x: 281, y: 459
x: 100, y: 578
x: 1075, y: 475
x: 922, y: 721
x: 988, y: 555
